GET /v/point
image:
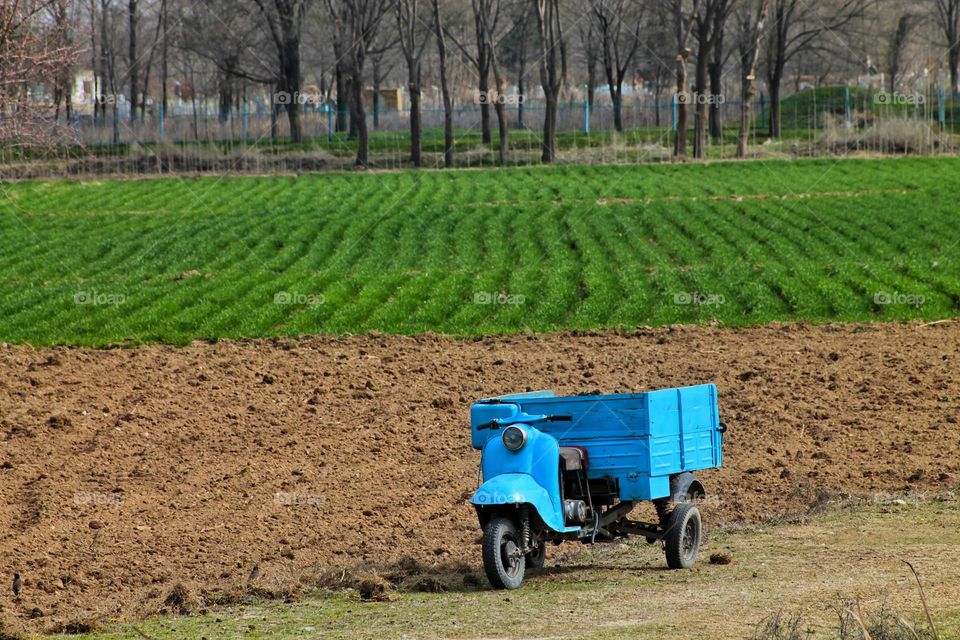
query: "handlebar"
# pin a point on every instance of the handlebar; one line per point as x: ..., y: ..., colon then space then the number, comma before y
x: 496, y: 423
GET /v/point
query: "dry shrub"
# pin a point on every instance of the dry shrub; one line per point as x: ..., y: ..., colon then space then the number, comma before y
x: 881, y: 623
x: 888, y: 135
x: 781, y: 626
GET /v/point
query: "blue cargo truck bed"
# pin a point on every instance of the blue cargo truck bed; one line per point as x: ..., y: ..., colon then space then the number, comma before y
x: 639, y: 439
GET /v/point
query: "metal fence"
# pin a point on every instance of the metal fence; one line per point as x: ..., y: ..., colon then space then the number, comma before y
x: 833, y: 121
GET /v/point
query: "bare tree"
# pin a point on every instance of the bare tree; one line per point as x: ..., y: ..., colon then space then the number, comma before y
x: 898, y: 43
x: 619, y: 34
x: 284, y: 19
x: 796, y: 25
x: 363, y: 19
x: 752, y: 17
x: 229, y: 36
x: 682, y: 25
x: 708, y: 24
x: 490, y: 17
x: 553, y: 70
x: 60, y: 15
x: 588, y: 47
x: 382, y: 62
x: 948, y: 19
x: 32, y: 52
x: 479, y: 61
x: 413, y: 41
x: 444, y: 87
x: 514, y: 49
x: 109, y: 63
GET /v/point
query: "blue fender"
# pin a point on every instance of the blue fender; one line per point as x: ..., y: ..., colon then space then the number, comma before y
x: 520, y: 488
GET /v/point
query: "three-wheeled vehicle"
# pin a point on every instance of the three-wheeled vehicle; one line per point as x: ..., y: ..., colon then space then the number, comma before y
x: 572, y: 468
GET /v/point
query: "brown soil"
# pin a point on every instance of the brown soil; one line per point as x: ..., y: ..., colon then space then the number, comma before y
x: 126, y: 474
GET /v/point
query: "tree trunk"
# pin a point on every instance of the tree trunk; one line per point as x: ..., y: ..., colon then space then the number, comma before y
x: 521, y: 96
x: 551, y: 78
x: 358, y: 116
x: 340, y: 124
x: 617, y: 97
x: 164, y: 69
x: 444, y: 88
x: 680, y: 141
x: 291, y: 77
x: 774, y: 87
x: 714, y: 124
x: 414, y: 88
x: 504, y: 128
x: 549, y: 129
x: 749, y: 53
x: 132, y: 52
x: 484, y: 86
x: 700, y: 106
x: 954, y: 58
x: 591, y: 80
x: 715, y: 72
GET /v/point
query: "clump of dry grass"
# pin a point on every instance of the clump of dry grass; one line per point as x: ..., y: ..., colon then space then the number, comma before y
x: 887, y: 135
x: 781, y: 626
x: 182, y: 600
x: 77, y: 626
x: 373, y: 587
x: 881, y: 623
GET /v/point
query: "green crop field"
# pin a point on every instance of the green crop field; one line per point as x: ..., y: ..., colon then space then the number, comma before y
x: 473, y: 252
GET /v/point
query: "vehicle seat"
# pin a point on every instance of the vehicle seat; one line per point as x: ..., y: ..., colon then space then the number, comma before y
x: 573, y: 458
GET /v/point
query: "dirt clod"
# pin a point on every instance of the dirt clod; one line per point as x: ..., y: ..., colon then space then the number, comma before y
x: 721, y: 557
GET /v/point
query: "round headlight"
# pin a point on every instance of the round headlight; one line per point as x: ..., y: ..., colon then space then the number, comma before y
x: 514, y: 438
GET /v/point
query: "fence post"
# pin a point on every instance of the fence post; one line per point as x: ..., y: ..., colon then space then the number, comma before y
x: 329, y: 109
x: 161, y: 123
x: 673, y: 112
x: 763, y: 111
x: 245, y: 121
x: 586, y: 116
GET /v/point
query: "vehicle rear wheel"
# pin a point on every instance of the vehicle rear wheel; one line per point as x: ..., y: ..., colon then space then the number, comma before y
x: 536, y: 558
x: 682, y: 540
x: 503, y: 560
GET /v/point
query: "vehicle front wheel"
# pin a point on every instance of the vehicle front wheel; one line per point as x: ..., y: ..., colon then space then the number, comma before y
x: 503, y: 560
x: 682, y: 541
